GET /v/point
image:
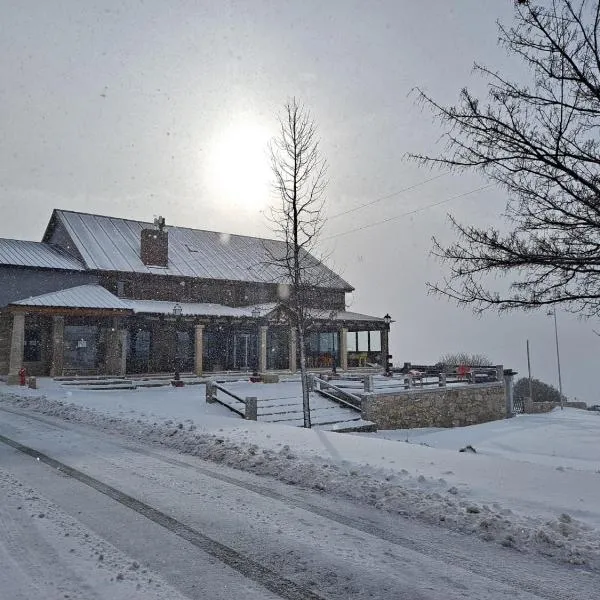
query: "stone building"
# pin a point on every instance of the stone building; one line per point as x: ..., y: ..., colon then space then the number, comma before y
x: 104, y: 295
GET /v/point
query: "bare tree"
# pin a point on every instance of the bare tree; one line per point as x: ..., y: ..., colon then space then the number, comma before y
x: 539, y: 142
x: 464, y: 358
x: 300, y: 180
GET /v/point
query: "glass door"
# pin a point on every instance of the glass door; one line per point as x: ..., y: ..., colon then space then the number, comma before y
x: 241, y: 351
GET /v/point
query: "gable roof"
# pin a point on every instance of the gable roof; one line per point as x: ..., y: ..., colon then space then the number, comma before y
x: 113, y: 244
x: 21, y: 253
x: 82, y: 296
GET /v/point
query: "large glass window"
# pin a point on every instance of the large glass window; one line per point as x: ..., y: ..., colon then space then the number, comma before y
x: 351, y: 337
x: 81, y: 346
x: 375, y: 341
x: 363, y: 341
x: 32, y: 351
x: 322, y: 349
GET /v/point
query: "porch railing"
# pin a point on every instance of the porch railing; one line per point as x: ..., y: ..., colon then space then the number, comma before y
x: 334, y: 392
x: 421, y: 379
x: 250, y: 403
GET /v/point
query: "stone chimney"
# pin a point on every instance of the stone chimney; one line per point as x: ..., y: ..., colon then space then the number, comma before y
x: 155, y: 245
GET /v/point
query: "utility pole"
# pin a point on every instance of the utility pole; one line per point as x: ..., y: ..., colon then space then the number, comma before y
x: 553, y: 313
x: 529, y: 370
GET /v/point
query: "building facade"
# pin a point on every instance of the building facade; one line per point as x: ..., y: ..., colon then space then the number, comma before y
x: 104, y: 295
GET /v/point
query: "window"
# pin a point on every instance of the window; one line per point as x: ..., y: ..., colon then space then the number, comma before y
x: 351, y: 337
x: 363, y: 341
x: 33, y: 345
x: 375, y: 341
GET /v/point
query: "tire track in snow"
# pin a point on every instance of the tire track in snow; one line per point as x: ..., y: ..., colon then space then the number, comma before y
x: 455, y: 557
x: 252, y: 570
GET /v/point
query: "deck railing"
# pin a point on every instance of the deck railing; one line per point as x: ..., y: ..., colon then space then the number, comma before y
x: 335, y: 393
x: 250, y: 403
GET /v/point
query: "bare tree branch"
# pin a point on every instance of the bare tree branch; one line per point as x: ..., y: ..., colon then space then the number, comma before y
x: 540, y: 143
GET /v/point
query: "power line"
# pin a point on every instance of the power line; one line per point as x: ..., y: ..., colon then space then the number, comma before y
x: 412, y: 187
x: 410, y: 212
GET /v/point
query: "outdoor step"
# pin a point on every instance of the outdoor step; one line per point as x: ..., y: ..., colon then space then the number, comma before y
x: 357, y: 425
x: 298, y: 409
x: 323, y: 416
x: 102, y: 388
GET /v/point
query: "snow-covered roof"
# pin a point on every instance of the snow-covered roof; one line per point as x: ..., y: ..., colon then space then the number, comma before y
x: 22, y: 253
x: 94, y: 296
x: 113, y: 244
x: 188, y: 309
x: 83, y: 296
x: 341, y: 315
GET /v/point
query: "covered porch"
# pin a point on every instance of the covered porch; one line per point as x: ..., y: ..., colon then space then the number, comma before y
x: 89, y: 331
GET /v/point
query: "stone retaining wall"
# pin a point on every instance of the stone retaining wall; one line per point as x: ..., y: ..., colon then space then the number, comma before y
x: 436, y: 407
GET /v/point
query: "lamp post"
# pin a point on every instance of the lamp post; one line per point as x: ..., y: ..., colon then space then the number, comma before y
x: 177, y: 310
x: 552, y: 313
x: 385, y: 355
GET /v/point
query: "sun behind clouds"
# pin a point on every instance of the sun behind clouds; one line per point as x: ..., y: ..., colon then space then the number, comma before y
x: 237, y: 169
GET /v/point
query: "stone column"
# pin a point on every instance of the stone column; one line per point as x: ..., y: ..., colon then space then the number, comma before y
x: 17, y: 345
x: 343, y: 344
x: 123, y: 344
x: 198, y: 349
x: 262, y: 348
x: 385, y: 347
x: 508, y: 392
x: 293, y: 349
x: 58, y: 347
x: 112, y: 358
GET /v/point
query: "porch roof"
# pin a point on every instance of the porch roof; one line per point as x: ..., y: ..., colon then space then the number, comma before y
x: 188, y: 309
x: 94, y: 296
x: 91, y: 296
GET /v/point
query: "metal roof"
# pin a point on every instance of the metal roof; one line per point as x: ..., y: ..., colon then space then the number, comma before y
x: 188, y: 309
x: 23, y: 253
x: 83, y: 296
x: 94, y: 296
x: 341, y: 315
x: 113, y: 244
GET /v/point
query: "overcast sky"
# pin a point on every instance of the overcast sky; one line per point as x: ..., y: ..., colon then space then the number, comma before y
x: 148, y: 107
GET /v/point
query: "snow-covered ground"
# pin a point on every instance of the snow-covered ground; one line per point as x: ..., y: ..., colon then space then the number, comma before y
x: 534, y: 482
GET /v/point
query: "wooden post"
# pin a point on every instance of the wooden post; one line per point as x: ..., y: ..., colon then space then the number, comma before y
x: 442, y: 380
x: 251, y: 408
x: 369, y: 386
x: 209, y: 392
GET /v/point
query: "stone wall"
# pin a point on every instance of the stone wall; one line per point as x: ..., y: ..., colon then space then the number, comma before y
x: 5, y: 335
x: 436, y: 407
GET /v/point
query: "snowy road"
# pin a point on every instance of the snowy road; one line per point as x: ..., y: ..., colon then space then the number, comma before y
x: 87, y: 515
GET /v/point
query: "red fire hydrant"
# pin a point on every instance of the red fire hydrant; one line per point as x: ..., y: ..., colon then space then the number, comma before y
x: 22, y: 376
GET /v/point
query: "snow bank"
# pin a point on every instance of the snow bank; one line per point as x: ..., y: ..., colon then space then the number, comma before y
x: 433, y: 490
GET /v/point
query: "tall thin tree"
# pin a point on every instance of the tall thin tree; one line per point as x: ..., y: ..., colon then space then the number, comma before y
x: 300, y: 181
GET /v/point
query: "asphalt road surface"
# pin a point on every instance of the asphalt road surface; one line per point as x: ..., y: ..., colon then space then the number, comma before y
x: 88, y: 515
